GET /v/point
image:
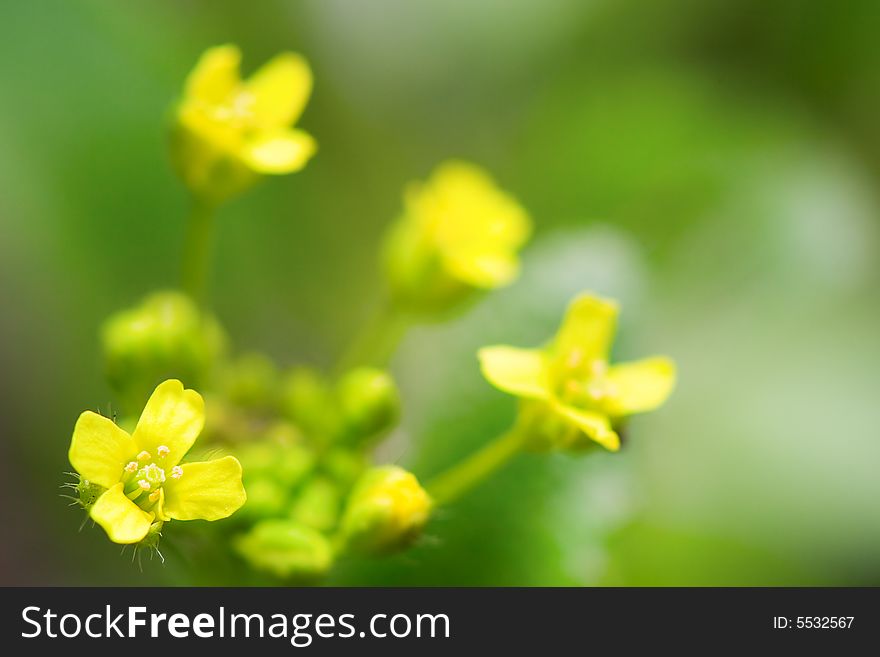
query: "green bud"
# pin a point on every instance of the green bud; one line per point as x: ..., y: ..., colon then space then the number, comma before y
x: 87, y: 492
x: 153, y: 537
x: 318, y: 503
x: 266, y: 498
x: 369, y: 402
x: 165, y: 336
x: 308, y: 400
x: 285, y: 549
x: 296, y: 462
x: 344, y: 465
x: 386, y: 511
x: 286, y: 464
x: 251, y: 380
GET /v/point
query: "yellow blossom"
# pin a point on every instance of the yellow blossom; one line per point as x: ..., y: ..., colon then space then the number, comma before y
x: 228, y: 131
x: 142, y: 473
x: 459, y: 232
x: 571, y: 394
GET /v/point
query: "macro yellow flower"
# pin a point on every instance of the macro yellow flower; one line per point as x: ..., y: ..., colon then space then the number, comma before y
x: 571, y: 394
x: 459, y: 232
x: 228, y: 131
x: 142, y: 473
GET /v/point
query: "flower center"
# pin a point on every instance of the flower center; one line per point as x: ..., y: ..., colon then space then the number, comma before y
x: 151, y: 476
x: 585, y: 384
x: 238, y: 111
x: 143, y: 478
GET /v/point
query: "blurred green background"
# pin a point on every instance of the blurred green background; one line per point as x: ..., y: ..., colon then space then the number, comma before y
x: 713, y: 164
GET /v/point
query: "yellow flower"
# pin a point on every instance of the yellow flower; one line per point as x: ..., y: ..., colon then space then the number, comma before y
x: 570, y: 392
x: 229, y: 130
x: 459, y: 232
x: 142, y: 473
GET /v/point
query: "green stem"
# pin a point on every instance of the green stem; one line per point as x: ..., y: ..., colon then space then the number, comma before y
x: 450, y: 485
x: 377, y: 342
x: 197, y: 251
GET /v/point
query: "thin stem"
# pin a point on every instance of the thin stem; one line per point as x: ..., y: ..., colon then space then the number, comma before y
x: 197, y: 251
x: 450, y: 485
x: 377, y: 342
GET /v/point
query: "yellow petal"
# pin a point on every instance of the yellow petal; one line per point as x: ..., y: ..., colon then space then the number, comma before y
x: 587, y: 331
x: 123, y: 520
x: 215, y: 76
x: 173, y: 417
x: 464, y: 208
x: 596, y: 426
x: 640, y: 386
x: 99, y: 449
x: 521, y: 372
x: 280, y: 89
x: 279, y: 152
x: 208, y: 490
x: 482, y: 268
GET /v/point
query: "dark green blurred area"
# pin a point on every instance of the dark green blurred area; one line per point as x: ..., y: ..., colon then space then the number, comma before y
x: 713, y: 164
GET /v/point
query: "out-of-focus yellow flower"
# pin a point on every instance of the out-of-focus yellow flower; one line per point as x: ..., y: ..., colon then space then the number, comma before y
x: 386, y: 511
x: 228, y: 131
x: 142, y: 473
x: 570, y: 392
x: 458, y: 232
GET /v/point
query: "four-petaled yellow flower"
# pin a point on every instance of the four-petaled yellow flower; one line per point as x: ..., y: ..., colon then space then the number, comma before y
x: 228, y: 130
x: 458, y: 232
x: 569, y: 390
x: 142, y: 472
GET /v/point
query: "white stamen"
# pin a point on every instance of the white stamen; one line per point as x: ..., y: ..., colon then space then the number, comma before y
x: 595, y: 392
x: 144, y: 484
x: 176, y: 472
x: 143, y: 456
x: 131, y: 467
x: 162, y: 451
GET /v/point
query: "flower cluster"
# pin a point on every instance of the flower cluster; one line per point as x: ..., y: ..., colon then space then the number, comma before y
x: 298, y: 482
